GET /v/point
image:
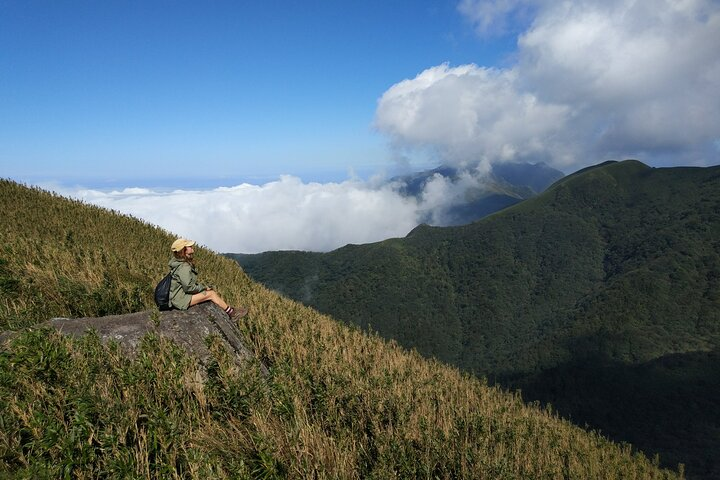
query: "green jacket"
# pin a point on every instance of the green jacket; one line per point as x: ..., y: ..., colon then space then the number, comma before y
x: 184, y: 284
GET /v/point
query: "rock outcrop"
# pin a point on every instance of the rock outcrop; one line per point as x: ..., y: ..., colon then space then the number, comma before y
x: 188, y: 329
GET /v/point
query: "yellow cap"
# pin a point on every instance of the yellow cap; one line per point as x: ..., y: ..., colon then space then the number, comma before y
x: 181, y: 243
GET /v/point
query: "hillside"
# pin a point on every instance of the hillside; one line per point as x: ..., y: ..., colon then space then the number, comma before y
x: 337, y: 404
x: 608, y: 270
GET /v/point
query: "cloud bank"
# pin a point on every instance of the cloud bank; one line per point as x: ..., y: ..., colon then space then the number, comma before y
x: 289, y: 214
x: 286, y: 214
x: 283, y: 215
x: 593, y: 80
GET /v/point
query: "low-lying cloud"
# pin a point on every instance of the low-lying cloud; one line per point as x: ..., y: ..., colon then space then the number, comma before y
x: 593, y: 80
x: 287, y: 214
x: 283, y: 215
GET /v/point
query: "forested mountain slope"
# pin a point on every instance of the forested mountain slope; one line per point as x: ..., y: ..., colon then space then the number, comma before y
x: 620, y: 261
x: 614, y: 266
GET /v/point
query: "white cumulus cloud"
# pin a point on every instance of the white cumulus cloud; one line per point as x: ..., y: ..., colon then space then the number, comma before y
x: 593, y: 80
x: 469, y: 114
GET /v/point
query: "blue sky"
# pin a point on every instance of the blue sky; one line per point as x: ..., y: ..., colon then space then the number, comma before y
x: 274, y: 125
x: 95, y: 91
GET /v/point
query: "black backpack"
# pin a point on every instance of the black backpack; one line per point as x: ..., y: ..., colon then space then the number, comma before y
x: 162, y: 292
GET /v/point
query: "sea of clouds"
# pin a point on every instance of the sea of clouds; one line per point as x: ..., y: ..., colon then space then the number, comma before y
x: 287, y: 214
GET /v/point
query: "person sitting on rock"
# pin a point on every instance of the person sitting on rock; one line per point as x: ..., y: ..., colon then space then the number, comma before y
x: 185, y: 291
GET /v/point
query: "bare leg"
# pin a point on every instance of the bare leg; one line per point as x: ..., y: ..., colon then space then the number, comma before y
x: 210, y: 295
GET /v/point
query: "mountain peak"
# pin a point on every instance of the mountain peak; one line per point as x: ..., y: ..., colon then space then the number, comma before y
x: 470, y: 195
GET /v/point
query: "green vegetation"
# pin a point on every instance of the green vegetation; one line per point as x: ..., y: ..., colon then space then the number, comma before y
x: 338, y: 403
x: 610, y: 268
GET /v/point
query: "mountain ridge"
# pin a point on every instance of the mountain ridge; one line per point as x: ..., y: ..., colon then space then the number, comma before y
x: 477, y: 194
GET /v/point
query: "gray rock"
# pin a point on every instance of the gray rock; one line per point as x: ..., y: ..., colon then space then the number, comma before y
x: 186, y: 328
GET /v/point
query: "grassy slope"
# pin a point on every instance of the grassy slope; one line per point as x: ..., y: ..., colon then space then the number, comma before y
x: 338, y: 404
x: 616, y: 265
